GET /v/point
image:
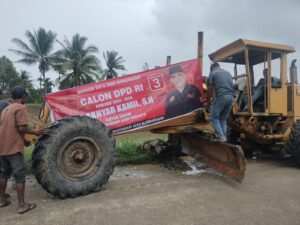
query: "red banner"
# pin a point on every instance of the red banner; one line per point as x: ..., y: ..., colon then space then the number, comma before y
x: 134, y: 101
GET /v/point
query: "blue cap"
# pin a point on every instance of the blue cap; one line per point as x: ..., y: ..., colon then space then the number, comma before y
x: 18, y: 92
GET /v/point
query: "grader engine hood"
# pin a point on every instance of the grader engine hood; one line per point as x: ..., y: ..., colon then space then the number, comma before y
x: 135, y: 101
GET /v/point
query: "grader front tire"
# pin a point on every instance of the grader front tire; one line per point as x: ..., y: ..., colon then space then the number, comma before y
x: 75, y: 158
x: 294, y: 142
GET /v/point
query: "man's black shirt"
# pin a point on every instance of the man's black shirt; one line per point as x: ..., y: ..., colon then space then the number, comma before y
x: 181, y: 103
x: 3, y: 105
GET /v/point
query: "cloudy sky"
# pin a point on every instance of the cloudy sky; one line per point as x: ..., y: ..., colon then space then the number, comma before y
x: 149, y: 30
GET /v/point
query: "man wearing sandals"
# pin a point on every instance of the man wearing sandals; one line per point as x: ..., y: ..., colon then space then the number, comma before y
x: 13, y: 127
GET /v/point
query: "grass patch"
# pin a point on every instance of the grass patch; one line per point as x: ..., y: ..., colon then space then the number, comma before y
x: 126, y: 150
x: 127, y: 153
x: 28, y: 152
x: 128, y: 145
x: 27, y: 156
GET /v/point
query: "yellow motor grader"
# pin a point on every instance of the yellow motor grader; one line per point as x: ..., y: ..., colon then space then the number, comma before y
x: 77, y: 155
x: 266, y: 113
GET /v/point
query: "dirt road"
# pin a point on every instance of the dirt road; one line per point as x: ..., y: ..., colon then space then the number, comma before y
x: 148, y: 194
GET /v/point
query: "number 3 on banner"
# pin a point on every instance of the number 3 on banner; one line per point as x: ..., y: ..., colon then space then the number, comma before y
x: 156, y: 82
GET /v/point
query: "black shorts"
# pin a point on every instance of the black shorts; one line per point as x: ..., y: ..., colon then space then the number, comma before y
x: 13, y: 164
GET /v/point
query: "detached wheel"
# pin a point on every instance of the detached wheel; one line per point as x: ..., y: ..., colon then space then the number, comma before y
x: 294, y: 142
x: 75, y: 158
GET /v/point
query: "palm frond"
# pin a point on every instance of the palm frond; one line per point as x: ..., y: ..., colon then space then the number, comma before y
x: 33, y: 41
x: 22, y: 45
x: 27, y: 61
x: 79, y: 59
x: 67, y: 81
x: 113, y: 63
x: 24, y: 54
x: 92, y: 49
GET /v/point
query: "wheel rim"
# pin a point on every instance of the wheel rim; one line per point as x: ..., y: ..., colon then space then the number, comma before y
x: 79, y: 158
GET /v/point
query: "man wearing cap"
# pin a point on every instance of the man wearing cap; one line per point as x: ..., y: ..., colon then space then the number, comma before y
x: 221, y: 81
x: 13, y: 127
x: 184, y: 98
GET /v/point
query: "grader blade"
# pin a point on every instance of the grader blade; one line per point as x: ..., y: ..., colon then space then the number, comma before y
x: 225, y: 158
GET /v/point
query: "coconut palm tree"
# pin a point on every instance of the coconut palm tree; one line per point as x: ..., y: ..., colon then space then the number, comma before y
x: 77, y: 63
x: 113, y: 63
x: 38, y: 51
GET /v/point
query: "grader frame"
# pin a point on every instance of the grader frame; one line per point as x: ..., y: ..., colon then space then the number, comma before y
x: 76, y: 156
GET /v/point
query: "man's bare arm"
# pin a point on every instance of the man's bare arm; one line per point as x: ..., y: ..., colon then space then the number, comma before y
x: 25, y: 130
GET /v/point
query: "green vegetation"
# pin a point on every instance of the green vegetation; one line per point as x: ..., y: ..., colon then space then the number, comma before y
x: 9, y: 76
x: 113, y: 63
x: 127, y: 153
x: 38, y: 51
x: 77, y: 62
x: 127, y: 149
x: 27, y: 156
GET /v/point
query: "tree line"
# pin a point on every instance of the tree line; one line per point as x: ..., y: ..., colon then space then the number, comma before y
x: 76, y: 63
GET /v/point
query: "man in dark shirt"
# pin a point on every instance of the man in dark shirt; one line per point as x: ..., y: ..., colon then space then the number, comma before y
x: 184, y: 98
x: 221, y: 81
x: 3, y: 103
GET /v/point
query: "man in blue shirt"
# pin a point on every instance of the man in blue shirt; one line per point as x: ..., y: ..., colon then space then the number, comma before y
x: 221, y: 81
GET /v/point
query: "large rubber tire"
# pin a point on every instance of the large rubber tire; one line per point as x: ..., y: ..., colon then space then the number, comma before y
x: 75, y: 158
x: 294, y: 142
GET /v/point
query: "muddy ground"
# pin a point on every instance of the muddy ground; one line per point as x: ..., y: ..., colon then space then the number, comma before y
x: 150, y: 194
